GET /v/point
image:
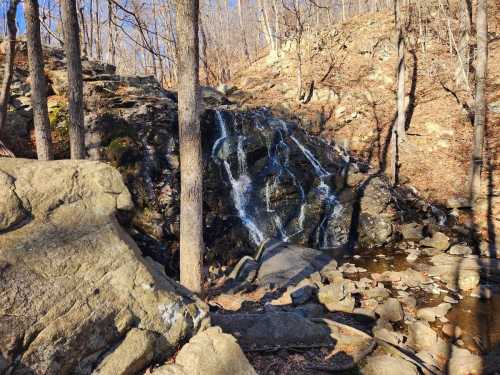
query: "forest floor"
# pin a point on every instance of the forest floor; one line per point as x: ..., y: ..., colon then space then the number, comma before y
x: 352, y: 67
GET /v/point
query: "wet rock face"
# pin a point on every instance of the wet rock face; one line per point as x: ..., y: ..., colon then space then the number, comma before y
x: 264, y: 178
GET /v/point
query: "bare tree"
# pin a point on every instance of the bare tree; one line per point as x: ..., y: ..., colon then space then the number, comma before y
x: 401, y: 120
x: 10, y: 55
x: 191, y: 231
x: 267, y: 25
x: 38, y: 82
x: 75, y: 82
x: 462, y: 73
x: 398, y: 130
x: 243, y: 33
x: 480, y: 99
x: 111, y: 36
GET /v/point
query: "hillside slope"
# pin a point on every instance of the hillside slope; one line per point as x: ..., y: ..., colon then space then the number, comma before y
x: 353, y: 102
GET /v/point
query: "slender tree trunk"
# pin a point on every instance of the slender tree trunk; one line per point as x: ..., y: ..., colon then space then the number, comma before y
x: 157, y: 42
x: 243, y: 32
x: 111, y: 37
x: 75, y: 82
x: 204, y: 53
x: 267, y: 25
x: 49, y: 23
x: 191, y: 231
x: 98, y: 31
x: 480, y: 104
x: 10, y: 55
x: 84, y: 34
x: 277, y: 37
x: 401, y: 120
x: 299, y: 69
x: 463, y: 66
x: 38, y: 82
x: 398, y: 129
x: 91, y: 29
x: 299, y: 29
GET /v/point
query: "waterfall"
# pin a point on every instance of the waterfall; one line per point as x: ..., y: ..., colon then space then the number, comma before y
x: 302, y: 215
x: 268, y: 222
x: 279, y: 226
x: 242, y: 157
x: 241, y: 188
x: 320, y: 171
x: 223, y: 133
x: 149, y: 163
x: 268, y: 197
x: 332, y: 208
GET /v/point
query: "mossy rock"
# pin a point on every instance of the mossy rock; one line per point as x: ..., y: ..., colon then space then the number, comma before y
x: 59, y: 123
x: 122, y: 151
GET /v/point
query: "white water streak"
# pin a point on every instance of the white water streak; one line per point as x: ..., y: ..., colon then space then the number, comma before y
x: 223, y: 133
x: 241, y: 189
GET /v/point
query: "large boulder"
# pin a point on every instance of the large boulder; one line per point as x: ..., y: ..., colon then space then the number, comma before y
x: 75, y: 292
x: 210, y: 352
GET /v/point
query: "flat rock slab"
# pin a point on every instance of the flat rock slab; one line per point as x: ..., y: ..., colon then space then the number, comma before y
x: 282, y: 264
x: 277, y: 330
x: 350, y: 341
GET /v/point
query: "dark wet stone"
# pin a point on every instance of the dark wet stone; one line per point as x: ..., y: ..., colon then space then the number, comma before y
x: 283, y: 264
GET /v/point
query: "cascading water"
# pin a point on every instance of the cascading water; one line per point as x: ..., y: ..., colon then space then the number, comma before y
x: 332, y: 208
x: 320, y: 171
x: 270, y: 214
x: 241, y: 187
x: 148, y: 157
x: 223, y: 133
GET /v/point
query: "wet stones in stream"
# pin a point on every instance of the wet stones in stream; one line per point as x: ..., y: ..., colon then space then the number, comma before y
x: 334, y: 317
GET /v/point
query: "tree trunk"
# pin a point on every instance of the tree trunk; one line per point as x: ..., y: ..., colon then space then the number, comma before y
x: 38, y: 82
x: 8, y: 68
x: 277, y: 37
x: 191, y: 231
x: 111, y: 37
x: 91, y: 28
x: 463, y: 66
x: 299, y: 29
x: 75, y: 82
x: 98, y: 31
x: 401, y: 120
x: 85, y: 35
x: 398, y: 129
x: 267, y: 25
x: 204, y: 53
x: 299, y: 69
x: 480, y: 104
x: 243, y: 33
x: 157, y: 43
